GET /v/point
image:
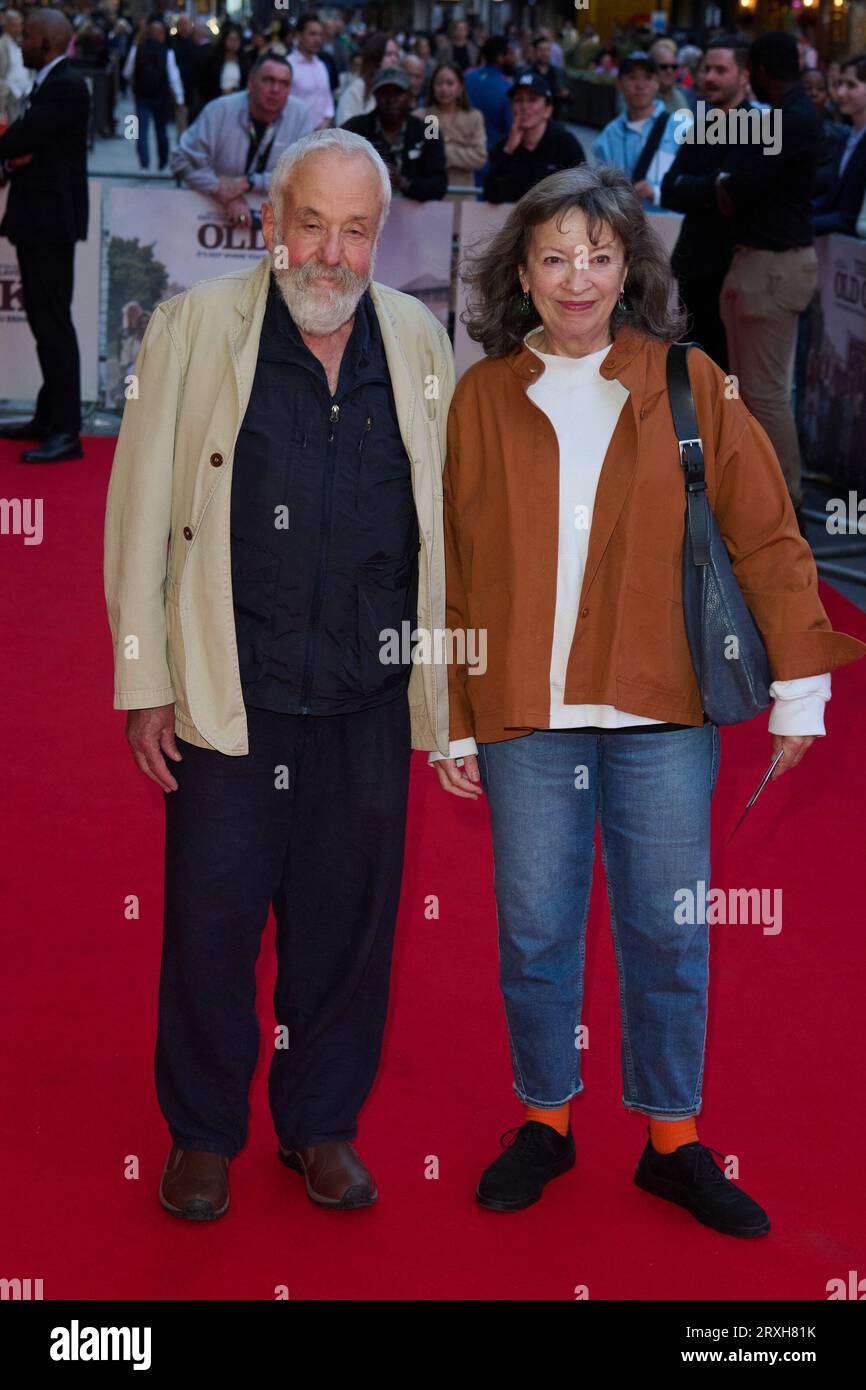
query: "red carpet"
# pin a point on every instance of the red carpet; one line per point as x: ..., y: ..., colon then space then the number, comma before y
x: 82, y: 830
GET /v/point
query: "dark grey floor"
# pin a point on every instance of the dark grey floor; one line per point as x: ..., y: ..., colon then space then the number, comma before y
x: 832, y: 548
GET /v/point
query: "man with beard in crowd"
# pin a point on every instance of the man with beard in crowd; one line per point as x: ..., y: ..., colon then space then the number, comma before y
x: 702, y: 254
x: 774, y: 267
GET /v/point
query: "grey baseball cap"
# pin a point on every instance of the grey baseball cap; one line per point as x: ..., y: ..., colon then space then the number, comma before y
x: 391, y: 77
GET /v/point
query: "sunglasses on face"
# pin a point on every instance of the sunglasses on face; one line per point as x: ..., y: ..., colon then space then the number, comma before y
x: 666, y: 67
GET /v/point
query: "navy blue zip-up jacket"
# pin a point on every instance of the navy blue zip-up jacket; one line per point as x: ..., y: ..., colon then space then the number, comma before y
x: 324, y: 532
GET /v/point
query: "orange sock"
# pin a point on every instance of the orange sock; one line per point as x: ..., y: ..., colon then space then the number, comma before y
x: 667, y: 1135
x: 556, y: 1118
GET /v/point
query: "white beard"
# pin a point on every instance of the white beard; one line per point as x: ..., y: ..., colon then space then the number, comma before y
x: 321, y: 310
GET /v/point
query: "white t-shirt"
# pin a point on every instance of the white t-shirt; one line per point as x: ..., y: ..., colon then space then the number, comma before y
x: 570, y: 390
x: 230, y: 75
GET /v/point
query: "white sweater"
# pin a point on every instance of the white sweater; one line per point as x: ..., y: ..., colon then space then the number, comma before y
x: 583, y: 408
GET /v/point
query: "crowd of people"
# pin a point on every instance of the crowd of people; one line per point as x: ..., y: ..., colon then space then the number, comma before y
x: 461, y: 113
x: 498, y: 100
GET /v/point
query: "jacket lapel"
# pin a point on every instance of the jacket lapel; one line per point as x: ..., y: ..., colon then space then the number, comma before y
x: 627, y: 362
x: 615, y: 479
x: 402, y: 377
x: 246, y: 331
x: 235, y: 388
x: 37, y: 91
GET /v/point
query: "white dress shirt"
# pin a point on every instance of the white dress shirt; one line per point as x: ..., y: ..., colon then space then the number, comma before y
x: 311, y: 84
x: 583, y: 408
x: 354, y: 102
x: 172, y: 72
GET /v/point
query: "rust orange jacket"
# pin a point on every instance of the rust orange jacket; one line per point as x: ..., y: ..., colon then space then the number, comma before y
x: 629, y: 649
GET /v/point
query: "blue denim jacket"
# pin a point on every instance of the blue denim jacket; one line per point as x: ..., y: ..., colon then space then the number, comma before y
x: 620, y: 145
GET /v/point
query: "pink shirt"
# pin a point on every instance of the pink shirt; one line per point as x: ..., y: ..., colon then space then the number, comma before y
x: 312, y: 85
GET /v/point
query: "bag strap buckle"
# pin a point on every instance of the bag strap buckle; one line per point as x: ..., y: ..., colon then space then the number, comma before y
x: 693, y: 463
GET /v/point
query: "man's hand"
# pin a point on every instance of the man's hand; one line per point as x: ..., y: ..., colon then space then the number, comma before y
x: 643, y: 189
x: 150, y: 733
x: 230, y: 188
x: 460, y: 781
x: 794, y: 750
x: 238, y: 213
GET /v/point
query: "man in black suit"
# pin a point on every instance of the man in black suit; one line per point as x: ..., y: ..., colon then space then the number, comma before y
x: 44, y: 155
x: 702, y: 256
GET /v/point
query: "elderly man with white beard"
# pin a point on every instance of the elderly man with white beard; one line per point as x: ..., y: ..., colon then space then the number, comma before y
x: 274, y: 511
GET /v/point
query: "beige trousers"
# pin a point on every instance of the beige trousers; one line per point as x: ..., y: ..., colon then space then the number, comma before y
x: 763, y: 295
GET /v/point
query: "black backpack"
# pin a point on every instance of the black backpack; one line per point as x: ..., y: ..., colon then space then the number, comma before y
x: 150, y: 74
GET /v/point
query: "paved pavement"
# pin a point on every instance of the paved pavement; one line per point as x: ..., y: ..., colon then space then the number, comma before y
x: 117, y: 157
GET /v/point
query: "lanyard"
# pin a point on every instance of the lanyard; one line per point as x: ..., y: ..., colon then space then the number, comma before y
x: 256, y: 165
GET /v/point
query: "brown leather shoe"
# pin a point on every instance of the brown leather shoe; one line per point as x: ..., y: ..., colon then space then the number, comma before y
x: 334, y: 1174
x: 195, y: 1185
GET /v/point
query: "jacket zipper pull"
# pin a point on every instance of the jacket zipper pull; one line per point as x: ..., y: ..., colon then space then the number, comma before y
x: 335, y: 415
x: 367, y: 427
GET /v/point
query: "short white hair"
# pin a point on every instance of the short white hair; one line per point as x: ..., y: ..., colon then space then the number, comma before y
x: 345, y: 142
x: 690, y: 55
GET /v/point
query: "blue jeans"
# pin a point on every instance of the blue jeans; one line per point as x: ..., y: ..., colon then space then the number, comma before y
x: 651, y: 793
x: 157, y: 111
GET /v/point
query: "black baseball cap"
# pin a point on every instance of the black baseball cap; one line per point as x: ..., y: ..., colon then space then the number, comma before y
x: 530, y: 82
x: 631, y: 61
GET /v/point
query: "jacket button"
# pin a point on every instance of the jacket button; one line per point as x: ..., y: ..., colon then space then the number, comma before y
x: 584, y: 612
x: 187, y: 531
x: 216, y: 460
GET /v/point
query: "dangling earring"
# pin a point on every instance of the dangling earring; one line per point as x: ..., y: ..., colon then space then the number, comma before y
x: 525, y: 303
x: 620, y: 303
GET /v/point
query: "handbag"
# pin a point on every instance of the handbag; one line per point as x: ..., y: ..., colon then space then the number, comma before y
x: 733, y: 676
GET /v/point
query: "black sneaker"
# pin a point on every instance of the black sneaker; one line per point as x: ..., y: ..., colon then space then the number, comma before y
x: 533, y: 1153
x: 691, y: 1177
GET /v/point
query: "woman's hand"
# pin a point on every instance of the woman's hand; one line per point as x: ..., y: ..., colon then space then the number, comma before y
x: 794, y: 748
x: 460, y: 781
x: 515, y: 137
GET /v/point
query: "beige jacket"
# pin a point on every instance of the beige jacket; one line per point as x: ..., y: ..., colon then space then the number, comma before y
x: 465, y: 142
x: 167, y: 549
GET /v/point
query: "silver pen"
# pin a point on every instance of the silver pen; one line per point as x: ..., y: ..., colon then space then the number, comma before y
x: 755, y: 794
